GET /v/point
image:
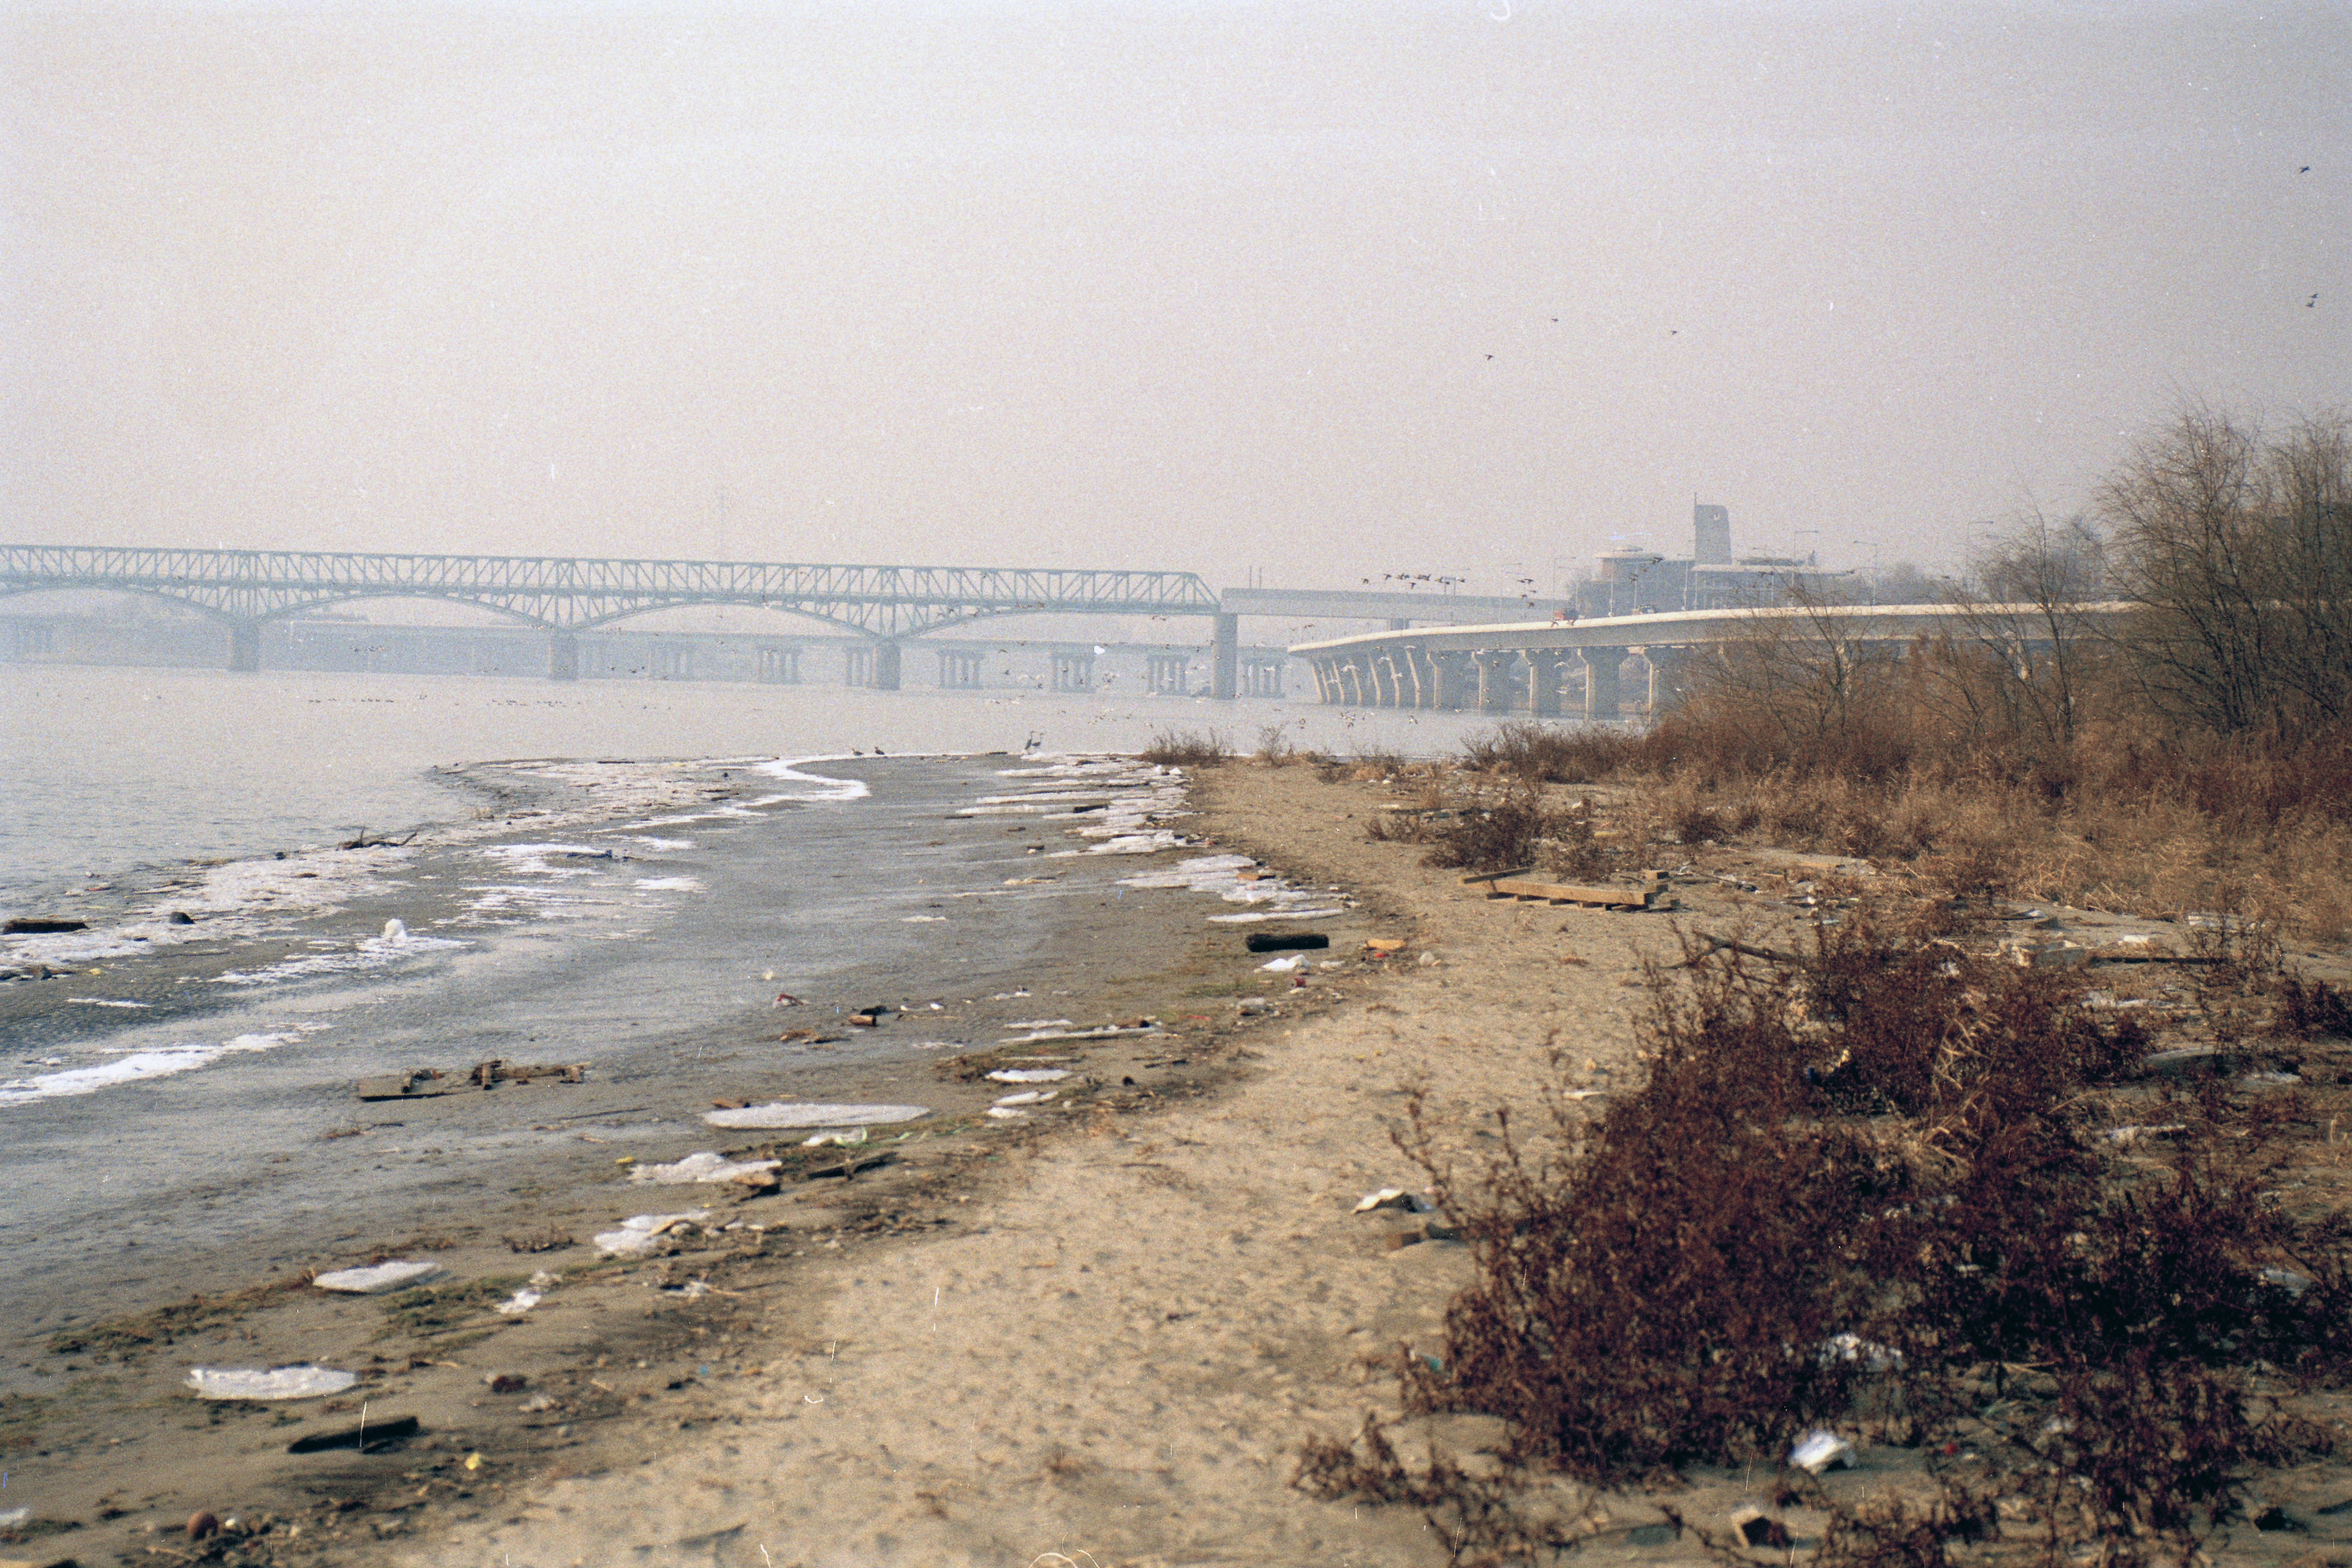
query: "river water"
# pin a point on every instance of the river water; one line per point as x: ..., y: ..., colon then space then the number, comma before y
x: 107, y: 771
x: 620, y: 873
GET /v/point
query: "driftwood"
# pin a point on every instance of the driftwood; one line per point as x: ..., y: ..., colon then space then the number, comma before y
x: 1715, y: 945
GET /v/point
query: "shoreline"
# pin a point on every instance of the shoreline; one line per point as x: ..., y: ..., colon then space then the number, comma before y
x: 127, y: 1363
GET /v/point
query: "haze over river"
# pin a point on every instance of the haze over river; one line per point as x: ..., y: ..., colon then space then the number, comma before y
x: 106, y: 770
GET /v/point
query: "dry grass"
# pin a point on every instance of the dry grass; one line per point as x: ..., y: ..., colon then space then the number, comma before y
x: 2123, y: 822
x: 1878, y: 1179
x: 1188, y: 749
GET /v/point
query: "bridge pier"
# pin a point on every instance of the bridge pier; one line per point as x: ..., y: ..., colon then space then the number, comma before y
x: 1450, y: 680
x: 1225, y: 653
x: 1543, y: 683
x: 244, y: 647
x: 1415, y: 691
x: 1668, y: 668
x: 1493, y: 680
x: 887, y: 661
x: 1602, y: 699
x: 562, y: 657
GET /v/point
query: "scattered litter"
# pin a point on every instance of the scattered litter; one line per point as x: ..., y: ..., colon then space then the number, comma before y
x: 1250, y: 1006
x: 1757, y: 1527
x: 1395, y: 1198
x: 1029, y: 1075
x: 803, y: 1113
x: 1384, y: 943
x: 424, y: 1083
x: 851, y: 1167
x: 2293, y: 1282
x: 1040, y: 1024
x: 1283, y: 965
x: 706, y: 1167
x: 13, y: 1517
x: 2128, y: 1135
x: 507, y: 1382
x: 638, y: 1232
x: 1277, y: 941
x: 516, y: 1305
x: 818, y: 1141
x: 278, y: 1383
x: 1853, y: 1348
x: 2027, y: 953
x: 379, y: 1278
x: 692, y: 1290
x: 1034, y: 1097
x: 28, y: 926
x: 396, y: 931
x: 1106, y: 1032
x: 1820, y: 1450
x: 1006, y: 1113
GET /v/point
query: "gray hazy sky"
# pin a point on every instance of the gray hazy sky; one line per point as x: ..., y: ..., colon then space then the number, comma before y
x: 1476, y: 287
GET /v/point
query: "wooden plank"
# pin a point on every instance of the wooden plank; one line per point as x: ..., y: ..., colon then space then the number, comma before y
x: 1575, y: 893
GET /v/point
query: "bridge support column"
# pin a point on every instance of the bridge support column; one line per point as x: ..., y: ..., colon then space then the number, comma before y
x: 244, y: 647
x: 1224, y: 652
x: 1602, y: 665
x: 1414, y: 669
x: 563, y: 657
x: 1326, y: 682
x: 1351, y: 680
x: 1668, y: 667
x: 1543, y: 683
x: 886, y: 666
x: 1493, y: 680
x: 1451, y: 680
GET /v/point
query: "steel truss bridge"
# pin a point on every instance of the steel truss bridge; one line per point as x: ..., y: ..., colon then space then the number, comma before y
x: 244, y: 588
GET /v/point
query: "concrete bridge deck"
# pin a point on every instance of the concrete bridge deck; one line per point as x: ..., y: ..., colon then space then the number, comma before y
x: 1519, y: 665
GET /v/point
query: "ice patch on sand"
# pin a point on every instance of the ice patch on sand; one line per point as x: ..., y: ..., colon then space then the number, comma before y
x: 135, y: 1066
x: 824, y: 788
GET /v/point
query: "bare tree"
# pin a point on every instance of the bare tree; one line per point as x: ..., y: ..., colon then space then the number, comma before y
x: 2019, y: 665
x: 1800, y: 677
x: 2239, y: 551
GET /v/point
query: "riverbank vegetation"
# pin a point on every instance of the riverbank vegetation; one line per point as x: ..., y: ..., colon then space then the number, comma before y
x: 1900, y: 1185
x: 2195, y: 754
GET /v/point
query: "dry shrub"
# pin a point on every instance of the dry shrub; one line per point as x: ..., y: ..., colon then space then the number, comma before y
x: 1896, y: 1533
x: 2307, y: 1012
x: 1188, y: 749
x: 1878, y: 1169
x: 1496, y: 836
x: 1535, y: 753
x: 1275, y: 747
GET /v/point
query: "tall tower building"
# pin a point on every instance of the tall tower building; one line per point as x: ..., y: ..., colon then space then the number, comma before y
x: 1711, y: 535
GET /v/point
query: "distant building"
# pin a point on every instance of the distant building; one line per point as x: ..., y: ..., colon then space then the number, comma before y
x: 1644, y: 583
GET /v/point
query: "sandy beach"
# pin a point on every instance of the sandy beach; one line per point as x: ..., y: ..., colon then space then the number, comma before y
x: 1099, y: 1329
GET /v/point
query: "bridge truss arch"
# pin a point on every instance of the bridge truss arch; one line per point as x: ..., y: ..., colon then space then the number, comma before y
x: 566, y: 595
